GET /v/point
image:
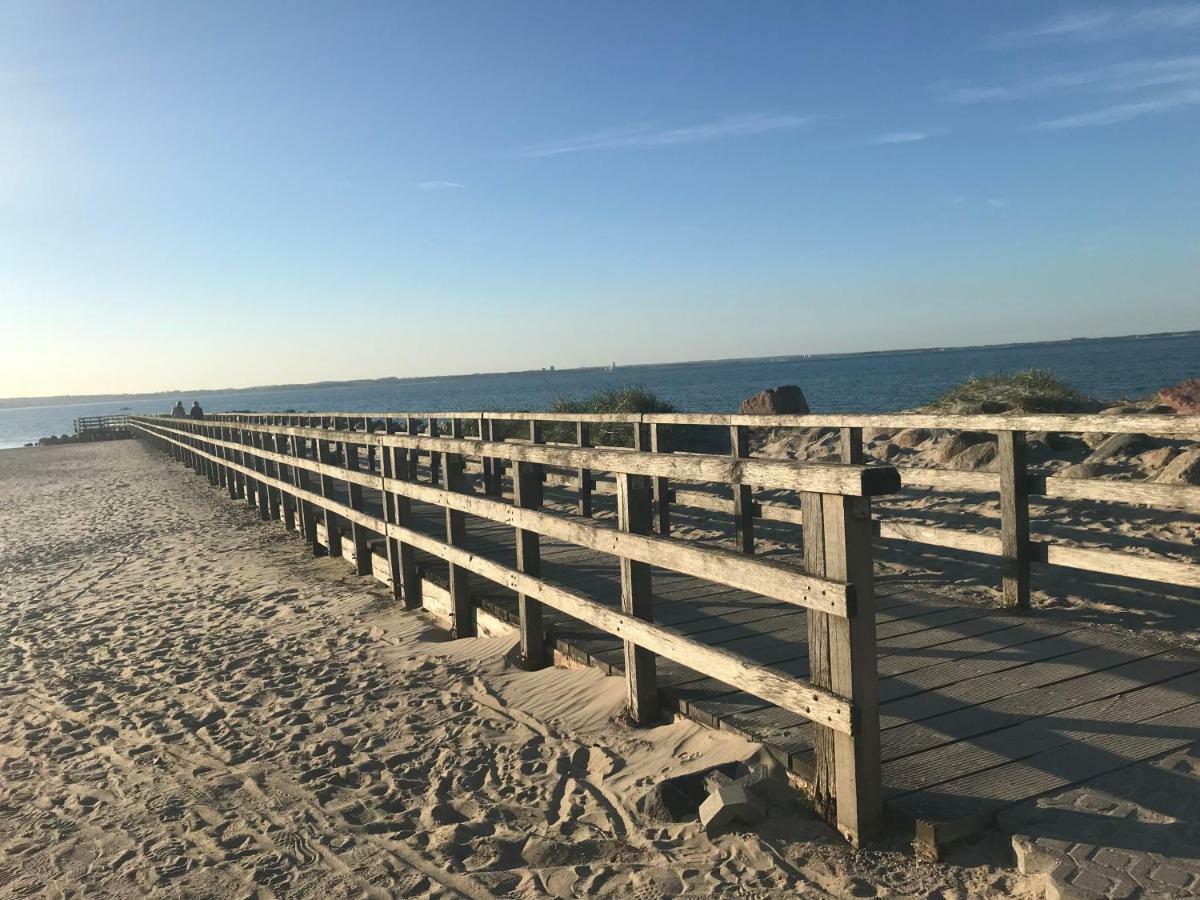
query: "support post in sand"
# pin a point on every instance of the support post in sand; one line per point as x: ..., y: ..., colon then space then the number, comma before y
x: 414, y: 456
x: 527, y: 494
x: 633, y: 516
x: 289, y: 499
x: 435, y: 458
x: 308, y: 512
x: 362, y: 549
x: 397, y: 510
x: 266, y: 503
x: 583, y: 438
x: 1014, y: 519
x: 743, y: 494
x: 231, y: 480
x: 456, y: 533
x: 662, y: 488
x: 847, y: 788
x: 333, y: 534
x: 485, y: 462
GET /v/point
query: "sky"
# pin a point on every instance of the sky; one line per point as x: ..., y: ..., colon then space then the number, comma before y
x: 217, y: 194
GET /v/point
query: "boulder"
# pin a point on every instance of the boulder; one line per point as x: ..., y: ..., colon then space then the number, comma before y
x: 787, y: 399
x: 1083, y: 470
x: 1183, y: 469
x: 1153, y: 460
x: 957, y: 443
x: 1183, y: 398
x: 975, y: 457
x: 911, y: 437
x: 1118, y: 445
x: 885, y: 451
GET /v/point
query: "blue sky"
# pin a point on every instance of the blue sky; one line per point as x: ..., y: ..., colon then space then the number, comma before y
x: 225, y: 194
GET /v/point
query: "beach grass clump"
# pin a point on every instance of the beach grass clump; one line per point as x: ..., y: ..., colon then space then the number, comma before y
x: 632, y: 398
x: 1027, y: 391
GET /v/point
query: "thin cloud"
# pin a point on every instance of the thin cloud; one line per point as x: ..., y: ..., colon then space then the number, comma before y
x: 997, y: 203
x: 438, y: 185
x: 648, y: 137
x: 908, y: 137
x: 1128, y: 75
x: 1122, y: 112
x: 1107, y: 24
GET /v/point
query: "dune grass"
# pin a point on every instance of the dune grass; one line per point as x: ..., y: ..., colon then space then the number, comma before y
x: 1027, y: 391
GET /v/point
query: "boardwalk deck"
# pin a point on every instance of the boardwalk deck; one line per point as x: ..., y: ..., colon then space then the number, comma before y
x: 978, y: 707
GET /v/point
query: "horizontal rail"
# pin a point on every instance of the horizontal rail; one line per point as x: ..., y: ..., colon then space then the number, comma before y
x: 794, y: 694
x: 1154, y: 424
x: 822, y: 478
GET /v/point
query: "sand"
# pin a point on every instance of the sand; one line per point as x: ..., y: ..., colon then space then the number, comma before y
x: 195, y: 706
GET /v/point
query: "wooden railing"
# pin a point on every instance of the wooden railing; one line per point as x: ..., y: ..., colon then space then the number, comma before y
x: 290, y: 466
x: 1014, y: 481
x: 102, y: 428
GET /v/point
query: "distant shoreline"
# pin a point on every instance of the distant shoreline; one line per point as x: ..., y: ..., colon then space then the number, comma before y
x: 71, y: 399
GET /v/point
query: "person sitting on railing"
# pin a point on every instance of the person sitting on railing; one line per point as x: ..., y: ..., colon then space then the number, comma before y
x: 178, y: 411
x: 196, y: 412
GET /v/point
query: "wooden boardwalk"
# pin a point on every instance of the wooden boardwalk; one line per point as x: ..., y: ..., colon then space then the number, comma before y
x: 939, y: 716
x: 979, y: 710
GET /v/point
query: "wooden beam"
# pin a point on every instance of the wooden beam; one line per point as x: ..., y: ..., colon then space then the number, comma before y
x: 743, y: 494
x: 583, y: 438
x: 1014, y: 520
x: 633, y: 517
x: 528, y: 494
x: 462, y: 611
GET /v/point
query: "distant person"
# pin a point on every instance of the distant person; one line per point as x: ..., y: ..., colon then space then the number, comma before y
x: 179, y: 412
x: 196, y: 411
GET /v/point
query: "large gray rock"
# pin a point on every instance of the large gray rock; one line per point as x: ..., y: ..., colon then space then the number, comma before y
x: 785, y: 400
x: 1183, y: 469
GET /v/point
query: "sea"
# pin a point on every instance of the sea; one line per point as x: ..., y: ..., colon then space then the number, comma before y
x: 1105, y: 368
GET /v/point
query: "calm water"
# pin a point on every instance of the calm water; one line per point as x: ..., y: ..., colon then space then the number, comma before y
x: 1108, y: 369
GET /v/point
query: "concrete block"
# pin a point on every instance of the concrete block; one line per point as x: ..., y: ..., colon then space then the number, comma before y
x: 728, y: 803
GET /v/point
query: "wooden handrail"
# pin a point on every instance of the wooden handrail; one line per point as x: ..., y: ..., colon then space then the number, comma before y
x: 1070, y: 423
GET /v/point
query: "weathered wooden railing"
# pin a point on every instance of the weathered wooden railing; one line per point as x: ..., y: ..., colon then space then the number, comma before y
x: 1015, y: 483
x: 288, y: 466
x: 102, y: 428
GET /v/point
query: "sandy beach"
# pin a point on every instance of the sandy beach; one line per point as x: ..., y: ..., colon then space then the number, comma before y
x: 195, y: 706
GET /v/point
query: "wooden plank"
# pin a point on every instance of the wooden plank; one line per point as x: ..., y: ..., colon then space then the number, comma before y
x: 1029, y: 728
x: 783, y: 474
x: 1117, y: 562
x: 633, y: 511
x: 583, y: 438
x: 527, y: 494
x: 970, y: 803
x: 1014, y: 521
x: 1165, y: 424
x: 1169, y: 496
x: 743, y: 494
x: 358, y: 534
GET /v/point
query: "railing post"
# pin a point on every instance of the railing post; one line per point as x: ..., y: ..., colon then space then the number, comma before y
x: 662, y: 489
x: 583, y: 438
x: 743, y: 494
x: 362, y: 549
x: 333, y: 534
x: 230, y: 476
x: 414, y: 455
x: 852, y: 446
x: 456, y: 533
x: 1014, y: 519
x: 528, y: 493
x: 485, y: 462
x: 288, y: 498
x: 266, y: 502
x: 305, y: 510
x: 435, y: 458
x: 397, y: 510
x: 633, y: 515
